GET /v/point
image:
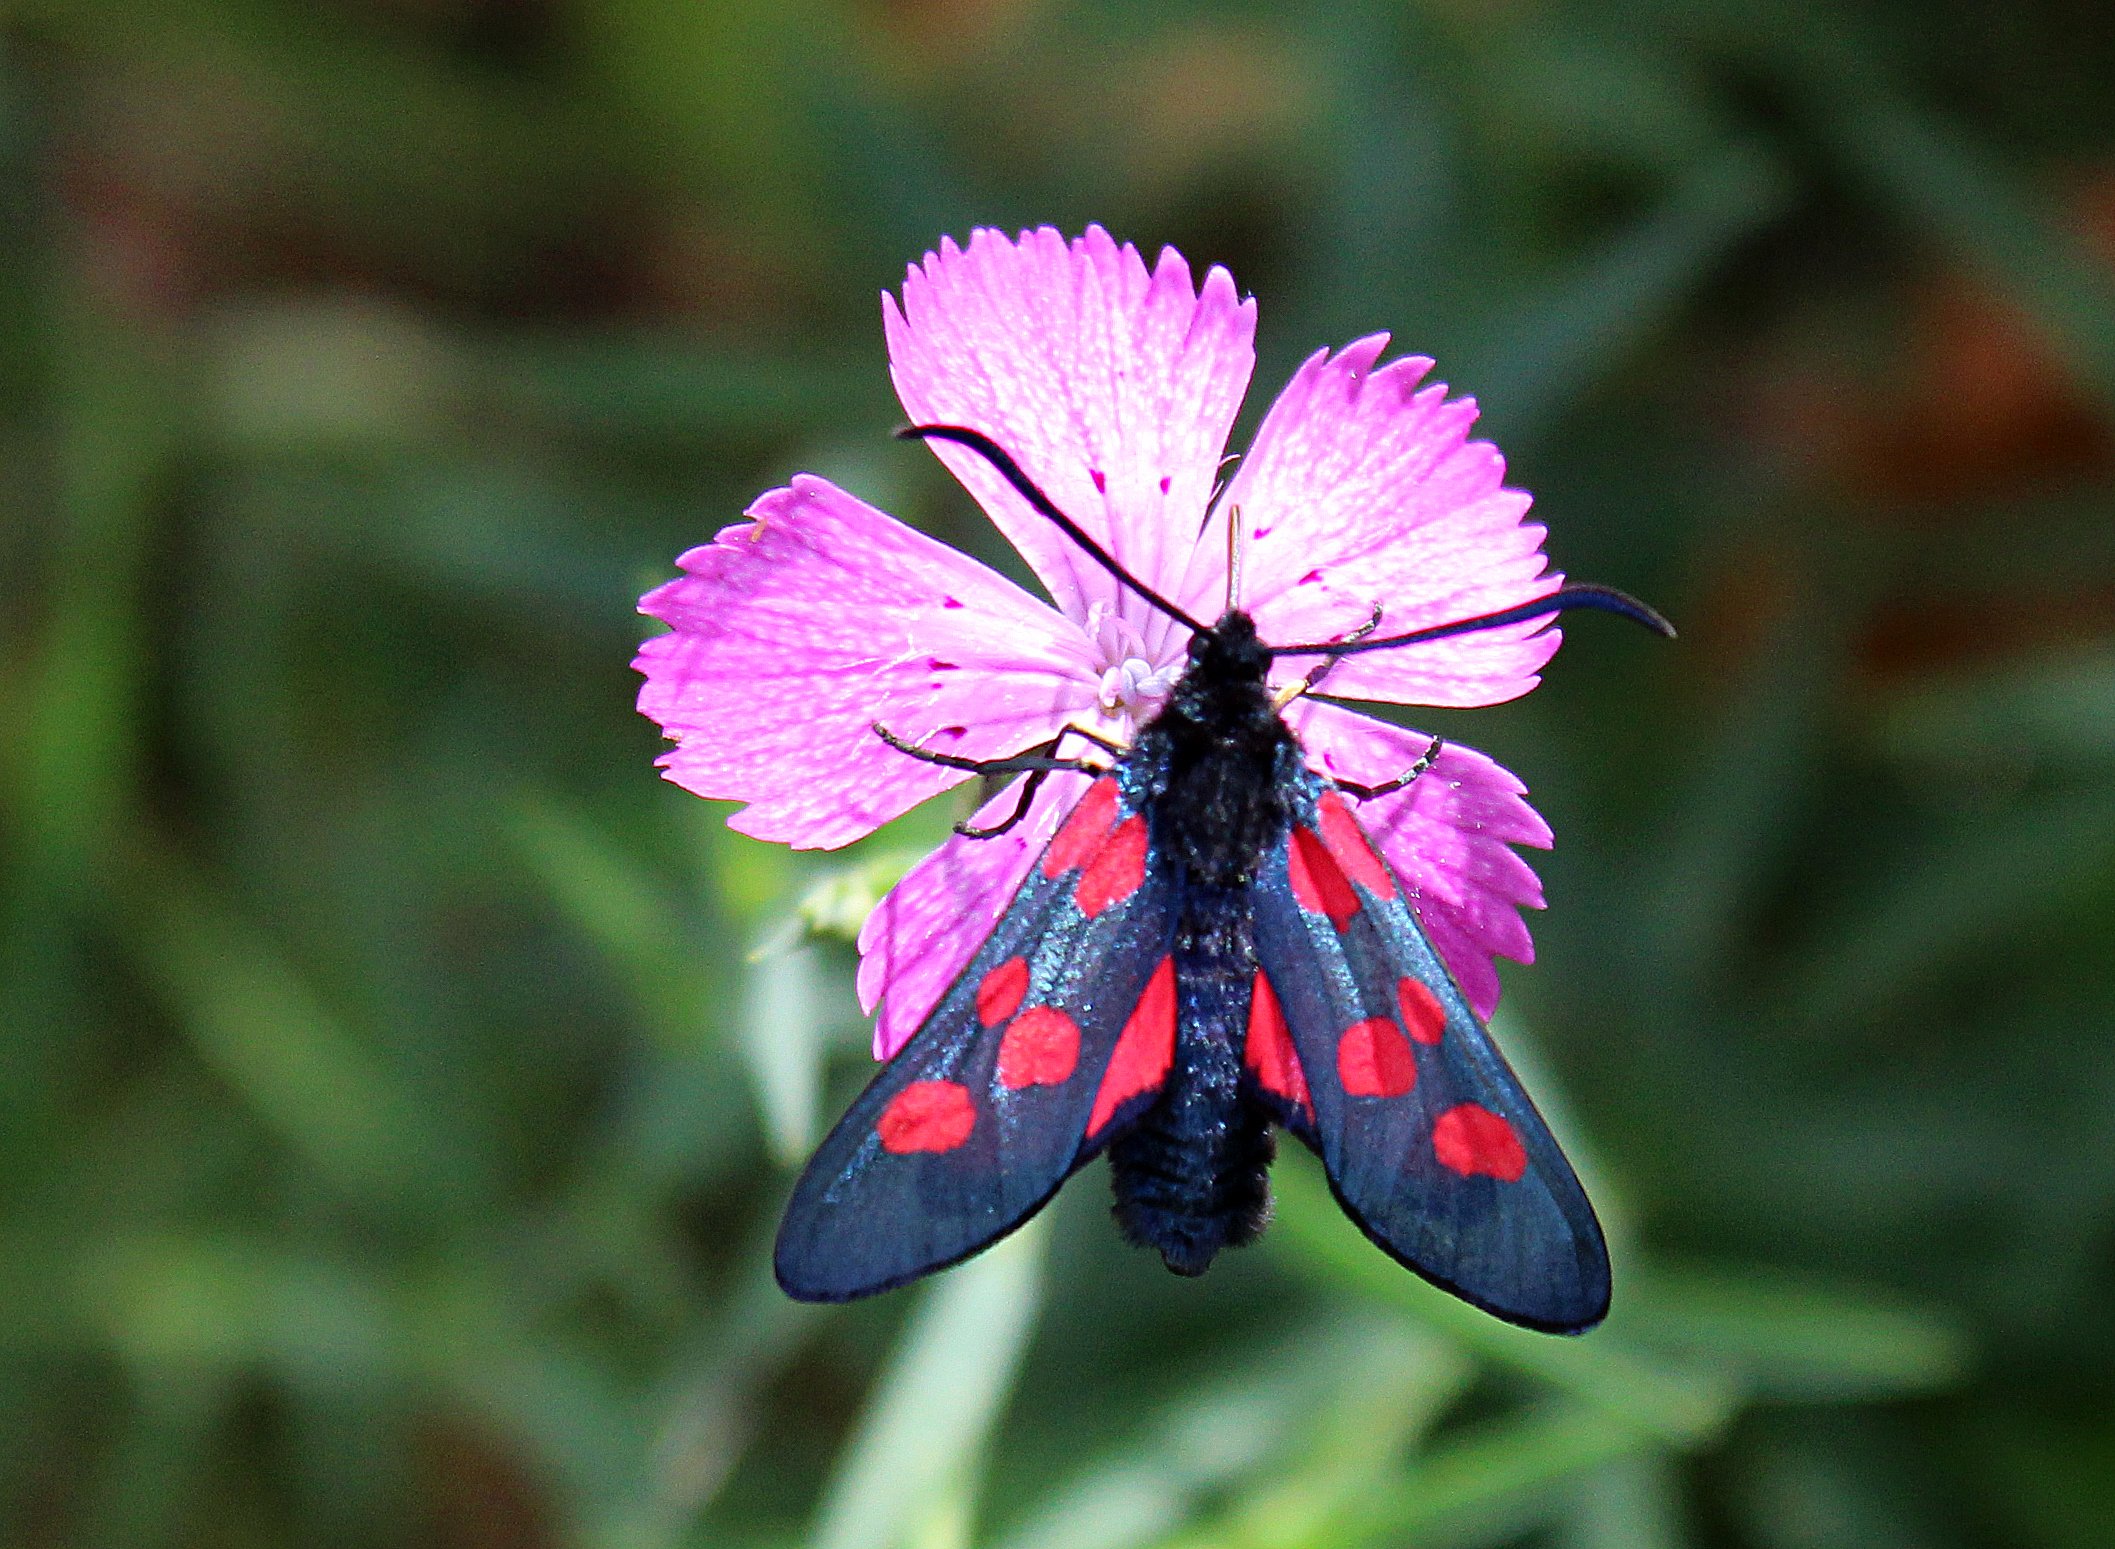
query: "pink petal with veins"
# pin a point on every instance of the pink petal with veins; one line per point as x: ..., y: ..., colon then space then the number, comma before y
x: 1113, y: 386
x: 923, y: 934
x: 1363, y: 489
x: 793, y: 633
x: 1448, y: 835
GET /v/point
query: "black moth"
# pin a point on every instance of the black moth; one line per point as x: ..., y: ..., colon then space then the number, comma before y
x: 1208, y: 947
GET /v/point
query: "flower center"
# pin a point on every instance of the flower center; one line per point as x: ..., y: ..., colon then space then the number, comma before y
x: 1133, y: 686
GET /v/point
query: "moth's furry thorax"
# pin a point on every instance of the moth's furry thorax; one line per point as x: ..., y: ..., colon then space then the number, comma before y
x: 1210, y: 756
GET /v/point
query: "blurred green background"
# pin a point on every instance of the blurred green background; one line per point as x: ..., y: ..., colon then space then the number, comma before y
x: 401, y: 1083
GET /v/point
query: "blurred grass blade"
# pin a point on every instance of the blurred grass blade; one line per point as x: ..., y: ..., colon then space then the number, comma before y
x: 73, y: 643
x: 158, y: 1464
x: 72, y: 761
x: 1393, y: 192
x: 782, y: 1042
x: 1212, y: 1439
x: 2060, y: 710
x: 711, y: 1399
x: 645, y: 386
x: 1990, y: 877
x: 1953, y: 188
x: 1383, y: 1383
x: 784, y: 1007
x: 1493, y: 1483
x: 1734, y: 819
x: 932, y: 1410
x: 1817, y: 1486
x: 175, y: 1304
x: 1628, y: 1389
x: 1789, y: 1340
x: 1632, y: 1503
x: 252, y: 1018
x: 887, y: 174
x: 619, y: 906
x: 1626, y: 288
x: 559, y: 1400
x: 1351, y: 1449
x: 2030, y: 544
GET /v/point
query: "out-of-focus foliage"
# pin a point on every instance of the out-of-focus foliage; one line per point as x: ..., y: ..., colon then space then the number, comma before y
x: 400, y: 1083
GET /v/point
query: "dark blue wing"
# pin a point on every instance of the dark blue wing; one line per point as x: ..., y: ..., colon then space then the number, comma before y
x: 1363, y: 1044
x: 1056, y: 1036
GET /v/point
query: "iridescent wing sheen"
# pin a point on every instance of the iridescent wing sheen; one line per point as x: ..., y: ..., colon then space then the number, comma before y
x: 1054, y: 1039
x: 1362, y: 1044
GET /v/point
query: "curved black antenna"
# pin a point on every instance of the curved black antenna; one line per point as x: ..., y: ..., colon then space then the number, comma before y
x: 1010, y: 471
x: 1604, y: 598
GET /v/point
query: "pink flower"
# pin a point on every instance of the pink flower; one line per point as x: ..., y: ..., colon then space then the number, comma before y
x: 1114, y: 387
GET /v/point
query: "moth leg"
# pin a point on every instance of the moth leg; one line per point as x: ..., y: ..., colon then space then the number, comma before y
x: 1113, y: 749
x: 1425, y: 760
x: 1025, y: 763
x: 1034, y: 781
x: 1316, y: 674
x: 1020, y: 810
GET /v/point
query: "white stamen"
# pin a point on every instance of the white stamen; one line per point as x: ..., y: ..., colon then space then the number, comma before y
x: 1132, y: 688
x: 1135, y: 687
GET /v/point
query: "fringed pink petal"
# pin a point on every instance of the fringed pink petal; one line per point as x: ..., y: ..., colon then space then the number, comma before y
x: 923, y: 934
x: 1363, y: 490
x: 1448, y: 835
x: 1112, y: 385
x: 793, y: 633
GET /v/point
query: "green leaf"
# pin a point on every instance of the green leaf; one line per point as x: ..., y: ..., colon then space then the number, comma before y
x: 2053, y: 710
x: 1952, y: 186
x: 1627, y: 287
x: 1788, y: 1339
x: 1989, y: 875
x: 1349, y: 1449
x: 932, y: 1411
x: 782, y: 1042
x: 1495, y: 1481
x: 1634, y: 1502
x: 1631, y: 1391
x: 838, y: 902
x: 630, y: 915
x: 252, y: 1018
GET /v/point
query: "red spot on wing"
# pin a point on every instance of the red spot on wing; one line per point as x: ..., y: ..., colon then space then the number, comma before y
x: 1084, y: 829
x: 1424, y: 1018
x: 1352, y: 849
x: 1269, y: 1050
x: 999, y: 993
x: 1040, y: 1049
x: 1318, y: 882
x: 1116, y: 871
x: 1474, y: 1140
x: 1144, y: 1050
x: 1374, y: 1060
x: 927, y: 1116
